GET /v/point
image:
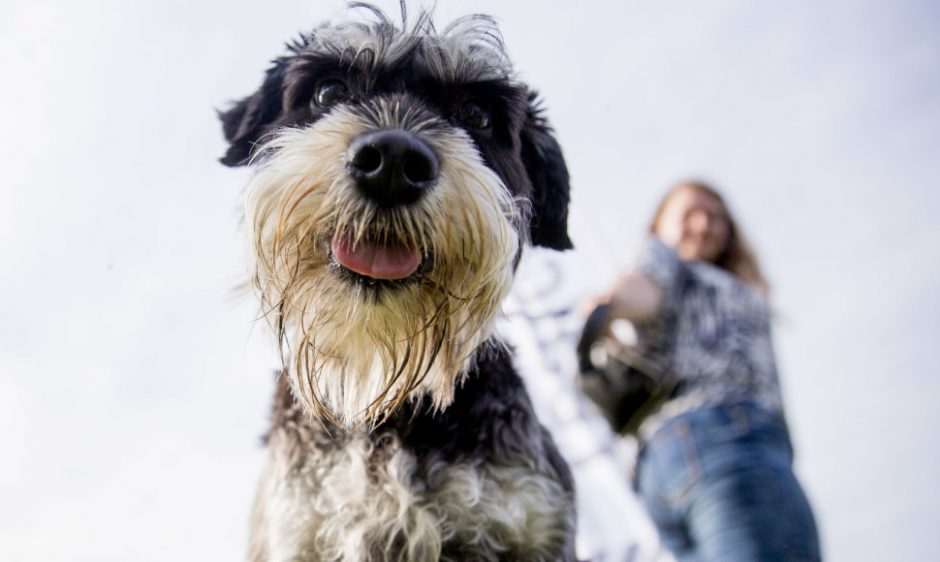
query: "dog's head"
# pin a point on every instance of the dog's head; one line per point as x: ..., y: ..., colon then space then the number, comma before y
x: 399, y: 171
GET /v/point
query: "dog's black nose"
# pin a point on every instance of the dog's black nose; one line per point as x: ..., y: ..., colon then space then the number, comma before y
x: 392, y: 167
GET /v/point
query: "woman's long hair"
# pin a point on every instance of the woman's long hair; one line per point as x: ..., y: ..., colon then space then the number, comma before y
x: 737, y: 258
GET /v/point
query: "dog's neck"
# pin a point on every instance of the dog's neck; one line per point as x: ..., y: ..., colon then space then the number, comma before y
x: 490, y: 393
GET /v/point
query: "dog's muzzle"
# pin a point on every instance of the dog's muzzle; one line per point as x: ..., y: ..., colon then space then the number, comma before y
x: 392, y: 167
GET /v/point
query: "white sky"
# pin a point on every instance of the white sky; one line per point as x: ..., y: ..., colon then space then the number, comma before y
x: 133, y: 385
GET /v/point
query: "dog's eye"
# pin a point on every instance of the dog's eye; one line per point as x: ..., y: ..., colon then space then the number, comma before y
x: 474, y: 114
x: 330, y: 92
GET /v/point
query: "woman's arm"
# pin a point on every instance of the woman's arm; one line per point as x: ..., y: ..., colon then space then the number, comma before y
x: 641, y: 294
x: 636, y: 297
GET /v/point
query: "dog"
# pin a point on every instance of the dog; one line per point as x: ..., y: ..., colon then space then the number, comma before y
x: 398, y: 173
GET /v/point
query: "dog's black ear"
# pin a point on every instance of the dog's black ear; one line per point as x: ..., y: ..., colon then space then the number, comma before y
x: 246, y: 121
x: 545, y: 165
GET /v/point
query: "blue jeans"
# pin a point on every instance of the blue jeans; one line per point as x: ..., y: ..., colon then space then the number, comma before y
x: 718, y: 483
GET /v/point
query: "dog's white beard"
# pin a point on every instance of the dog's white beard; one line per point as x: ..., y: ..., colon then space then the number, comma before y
x: 356, y: 353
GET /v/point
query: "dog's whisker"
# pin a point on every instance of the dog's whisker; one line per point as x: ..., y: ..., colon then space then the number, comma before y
x: 378, y: 407
x: 290, y: 207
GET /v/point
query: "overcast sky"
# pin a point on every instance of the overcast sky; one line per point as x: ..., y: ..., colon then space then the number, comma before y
x: 134, y: 384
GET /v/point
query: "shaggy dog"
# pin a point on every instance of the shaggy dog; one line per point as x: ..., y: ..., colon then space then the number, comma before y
x: 398, y: 172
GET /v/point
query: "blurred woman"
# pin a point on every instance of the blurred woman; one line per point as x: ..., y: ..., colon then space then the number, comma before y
x: 715, y: 468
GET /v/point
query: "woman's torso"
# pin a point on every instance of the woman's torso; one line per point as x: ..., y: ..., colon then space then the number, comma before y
x: 713, y: 333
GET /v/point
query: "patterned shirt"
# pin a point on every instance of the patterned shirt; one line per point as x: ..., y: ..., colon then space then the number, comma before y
x: 713, y: 332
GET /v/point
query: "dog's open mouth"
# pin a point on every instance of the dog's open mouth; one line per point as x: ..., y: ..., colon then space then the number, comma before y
x: 382, y: 260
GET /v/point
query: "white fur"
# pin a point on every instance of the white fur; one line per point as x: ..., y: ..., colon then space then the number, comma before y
x: 346, y: 506
x: 470, y: 47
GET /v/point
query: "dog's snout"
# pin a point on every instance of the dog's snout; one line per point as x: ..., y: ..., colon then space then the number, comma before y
x: 392, y: 167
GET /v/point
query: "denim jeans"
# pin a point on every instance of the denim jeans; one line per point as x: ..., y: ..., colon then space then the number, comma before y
x: 718, y: 483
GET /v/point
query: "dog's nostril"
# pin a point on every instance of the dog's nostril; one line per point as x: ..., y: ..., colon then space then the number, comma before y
x: 368, y: 160
x: 418, y: 168
x: 392, y: 167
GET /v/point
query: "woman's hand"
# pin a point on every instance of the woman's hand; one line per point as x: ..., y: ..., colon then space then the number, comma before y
x: 587, y: 306
x: 635, y: 297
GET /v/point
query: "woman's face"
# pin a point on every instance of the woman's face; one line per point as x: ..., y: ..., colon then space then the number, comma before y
x: 695, y: 224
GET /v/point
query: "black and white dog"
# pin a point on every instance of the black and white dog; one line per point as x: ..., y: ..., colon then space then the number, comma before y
x: 399, y: 171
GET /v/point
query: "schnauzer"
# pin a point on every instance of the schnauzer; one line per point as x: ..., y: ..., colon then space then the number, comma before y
x: 399, y: 171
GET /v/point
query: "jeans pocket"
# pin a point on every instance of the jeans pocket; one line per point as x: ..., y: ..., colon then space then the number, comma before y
x: 673, y: 462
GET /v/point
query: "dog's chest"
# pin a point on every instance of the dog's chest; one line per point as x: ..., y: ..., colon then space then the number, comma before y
x: 369, y: 502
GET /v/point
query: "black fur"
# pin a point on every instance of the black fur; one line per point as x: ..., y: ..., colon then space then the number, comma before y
x: 247, y: 121
x: 548, y: 173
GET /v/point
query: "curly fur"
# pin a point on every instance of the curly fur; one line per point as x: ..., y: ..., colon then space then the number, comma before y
x: 366, y: 505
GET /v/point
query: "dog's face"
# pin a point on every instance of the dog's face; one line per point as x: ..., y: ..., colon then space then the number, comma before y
x: 399, y: 171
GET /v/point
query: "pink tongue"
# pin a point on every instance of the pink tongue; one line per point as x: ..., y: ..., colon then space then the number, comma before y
x: 376, y: 261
